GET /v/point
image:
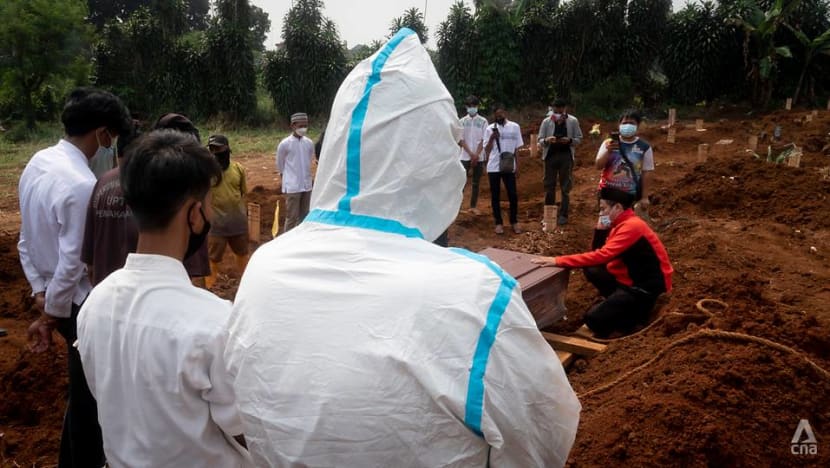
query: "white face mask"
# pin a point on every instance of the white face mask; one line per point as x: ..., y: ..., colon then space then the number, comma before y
x: 472, y: 111
x: 605, y: 221
x: 557, y: 116
x: 301, y: 131
x: 100, y: 146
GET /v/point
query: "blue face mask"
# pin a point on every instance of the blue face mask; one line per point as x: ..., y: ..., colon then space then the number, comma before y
x: 472, y: 111
x: 628, y: 130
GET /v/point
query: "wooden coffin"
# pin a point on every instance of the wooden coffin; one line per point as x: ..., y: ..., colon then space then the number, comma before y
x: 543, y: 288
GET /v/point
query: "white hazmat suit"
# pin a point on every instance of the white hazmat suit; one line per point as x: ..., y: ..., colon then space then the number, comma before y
x: 356, y: 342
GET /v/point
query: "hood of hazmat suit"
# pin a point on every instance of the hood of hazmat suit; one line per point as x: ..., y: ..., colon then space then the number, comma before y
x: 354, y: 341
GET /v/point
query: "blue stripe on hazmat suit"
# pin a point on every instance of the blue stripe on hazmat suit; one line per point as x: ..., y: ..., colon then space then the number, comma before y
x: 356, y: 342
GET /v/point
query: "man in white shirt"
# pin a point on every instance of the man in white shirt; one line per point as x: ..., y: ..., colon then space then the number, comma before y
x: 295, y: 154
x: 503, y: 136
x: 54, y: 191
x: 151, y: 343
x: 472, y: 144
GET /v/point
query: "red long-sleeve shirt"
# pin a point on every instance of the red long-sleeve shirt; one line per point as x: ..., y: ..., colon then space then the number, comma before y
x: 632, y: 253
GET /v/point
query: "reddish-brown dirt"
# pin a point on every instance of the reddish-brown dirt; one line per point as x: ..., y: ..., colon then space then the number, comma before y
x: 752, y: 234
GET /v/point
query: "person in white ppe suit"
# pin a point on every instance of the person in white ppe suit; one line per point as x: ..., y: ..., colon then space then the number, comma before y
x: 356, y: 342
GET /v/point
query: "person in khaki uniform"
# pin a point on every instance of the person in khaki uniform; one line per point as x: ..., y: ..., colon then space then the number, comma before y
x: 295, y: 155
x: 230, y: 220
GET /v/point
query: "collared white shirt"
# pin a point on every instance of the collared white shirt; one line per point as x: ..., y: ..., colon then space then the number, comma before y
x: 54, y: 193
x: 294, y: 157
x: 152, y: 349
x: 472, y: 131
x: 510, y: 139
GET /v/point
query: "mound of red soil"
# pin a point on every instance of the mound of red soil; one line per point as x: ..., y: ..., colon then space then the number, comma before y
x: 33, y: 387
x: 747, y: 188
x: 743, y: 231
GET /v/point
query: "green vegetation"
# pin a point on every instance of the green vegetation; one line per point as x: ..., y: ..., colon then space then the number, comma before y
x: 206, y: 58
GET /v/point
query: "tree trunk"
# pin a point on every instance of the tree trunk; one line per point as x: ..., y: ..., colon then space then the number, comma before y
x: 800, y: 80
x: 29, y: 109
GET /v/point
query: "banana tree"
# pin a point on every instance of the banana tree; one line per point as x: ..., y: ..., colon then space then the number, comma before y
x: 760, y: 28
x: 812, y: 48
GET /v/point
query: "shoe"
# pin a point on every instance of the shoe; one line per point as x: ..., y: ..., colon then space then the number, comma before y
x: 517, y: 229
x: 562, y: 220
x: 499, y: 229
x: 475, y: 211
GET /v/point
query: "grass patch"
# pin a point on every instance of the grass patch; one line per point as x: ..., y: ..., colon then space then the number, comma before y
x: 255, y: 141
x: 245, y: 142
x: 15, y: 155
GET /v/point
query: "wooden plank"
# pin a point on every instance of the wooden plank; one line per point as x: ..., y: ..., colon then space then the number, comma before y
x: 565, y: 358
x: 574, y: 345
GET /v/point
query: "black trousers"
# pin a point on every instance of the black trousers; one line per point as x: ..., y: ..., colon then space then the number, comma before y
x: 559, y: 165
x: 623, y: 308
x: 477, y: 170
x: 81, y: 443
x: 509, y: 180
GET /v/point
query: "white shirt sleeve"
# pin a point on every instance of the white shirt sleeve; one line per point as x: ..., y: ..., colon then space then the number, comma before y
x: 577, y: 132
x: 71, y: 214
x: 37, y: 282
x: 488, y: 130
x: 282, y: 153
x: 220, y: 394
x: 531, y: 413
x: 519, y: 141
x: 648, y: 160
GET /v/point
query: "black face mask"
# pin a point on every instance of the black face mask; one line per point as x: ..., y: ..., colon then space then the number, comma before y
x: 501, y: 121
x: 224, y: 159
x: 196, y: 241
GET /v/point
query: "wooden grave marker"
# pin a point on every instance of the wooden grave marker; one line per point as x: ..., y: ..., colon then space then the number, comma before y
x: 534, y: 149
x: 702, y: 152
x: 753, y: 142
x: 254, y: 217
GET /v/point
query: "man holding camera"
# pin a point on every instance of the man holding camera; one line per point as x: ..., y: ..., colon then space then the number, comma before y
x: 558, y: 135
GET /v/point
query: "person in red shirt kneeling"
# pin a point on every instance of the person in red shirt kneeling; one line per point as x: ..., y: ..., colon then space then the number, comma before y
x: 628, y: 265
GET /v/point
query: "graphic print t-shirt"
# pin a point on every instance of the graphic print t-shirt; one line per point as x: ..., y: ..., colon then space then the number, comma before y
x: 617, y: 174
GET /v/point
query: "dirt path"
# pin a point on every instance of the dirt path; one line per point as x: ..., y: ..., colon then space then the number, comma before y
x: 754, y: 235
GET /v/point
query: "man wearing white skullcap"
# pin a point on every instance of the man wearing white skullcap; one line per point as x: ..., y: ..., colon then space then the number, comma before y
x: 354, y: 341
x: 295, y: 154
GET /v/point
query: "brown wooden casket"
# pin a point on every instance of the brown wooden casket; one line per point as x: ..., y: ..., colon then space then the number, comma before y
x: 543, y: 288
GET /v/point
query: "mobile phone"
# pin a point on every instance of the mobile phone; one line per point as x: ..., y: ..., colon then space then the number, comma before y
x: 615, y: 136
